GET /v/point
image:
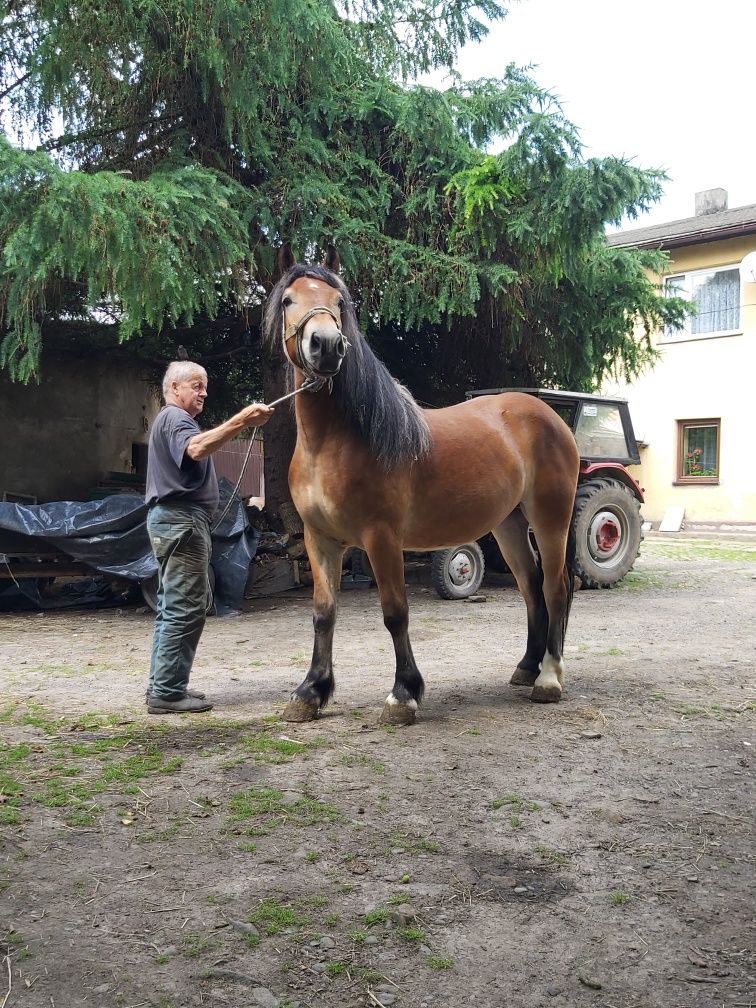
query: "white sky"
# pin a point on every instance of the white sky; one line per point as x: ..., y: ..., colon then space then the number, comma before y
x: 668, y: 83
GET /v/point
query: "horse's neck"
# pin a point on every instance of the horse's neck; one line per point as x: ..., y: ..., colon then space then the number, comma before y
x: 318, y: 420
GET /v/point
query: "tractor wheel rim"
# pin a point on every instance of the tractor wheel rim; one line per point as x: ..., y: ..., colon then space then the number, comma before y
x: 605, y: 536
x: 461, y: 569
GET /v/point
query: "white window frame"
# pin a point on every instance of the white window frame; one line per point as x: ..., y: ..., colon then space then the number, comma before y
x: 685, y: 290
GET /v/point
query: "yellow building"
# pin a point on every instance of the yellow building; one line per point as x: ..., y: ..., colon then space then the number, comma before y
x: 695, y: 410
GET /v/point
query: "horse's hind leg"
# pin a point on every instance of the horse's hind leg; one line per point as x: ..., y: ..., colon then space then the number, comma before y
x: 557, y: 594
x: 315, y: 691
x: 387, y: 561
x: 514, y: 543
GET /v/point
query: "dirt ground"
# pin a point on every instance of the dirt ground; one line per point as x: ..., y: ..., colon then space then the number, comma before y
x: 598, y: 852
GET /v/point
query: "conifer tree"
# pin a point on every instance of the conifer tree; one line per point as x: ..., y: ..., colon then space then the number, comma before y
x: 155, y: 155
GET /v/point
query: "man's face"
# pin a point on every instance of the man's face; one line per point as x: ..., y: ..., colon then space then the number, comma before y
x: 190, y: 395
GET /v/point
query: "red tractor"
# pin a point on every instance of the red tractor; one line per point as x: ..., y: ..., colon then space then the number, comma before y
x: 607, y: 520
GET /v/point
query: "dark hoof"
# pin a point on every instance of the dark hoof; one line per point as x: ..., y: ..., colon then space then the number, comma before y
x: 298, y: 709
x: 523, y: 677
x: 546, y: 694
x: 397, y: 714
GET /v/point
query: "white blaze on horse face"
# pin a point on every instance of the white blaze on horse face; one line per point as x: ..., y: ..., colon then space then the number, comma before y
x: 552, y: 673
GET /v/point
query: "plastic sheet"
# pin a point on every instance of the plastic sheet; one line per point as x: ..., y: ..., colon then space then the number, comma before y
x: 110, y: 536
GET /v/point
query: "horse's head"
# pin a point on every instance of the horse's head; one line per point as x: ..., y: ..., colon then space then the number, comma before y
x: 311, y: 303
x: 312, y: 326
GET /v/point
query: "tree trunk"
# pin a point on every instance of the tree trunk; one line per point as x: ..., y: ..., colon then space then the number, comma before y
x: 280, y: 437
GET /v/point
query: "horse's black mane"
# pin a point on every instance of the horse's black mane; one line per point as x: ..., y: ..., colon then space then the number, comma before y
x: 379, y: 410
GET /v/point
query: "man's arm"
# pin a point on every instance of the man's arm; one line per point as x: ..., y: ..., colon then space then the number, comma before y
x: 204, y: 444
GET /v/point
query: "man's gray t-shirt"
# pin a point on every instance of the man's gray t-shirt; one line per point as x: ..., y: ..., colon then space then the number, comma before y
x: 172, y: 476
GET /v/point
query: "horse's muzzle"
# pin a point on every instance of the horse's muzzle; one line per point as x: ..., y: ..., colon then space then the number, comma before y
x: 326, y: 351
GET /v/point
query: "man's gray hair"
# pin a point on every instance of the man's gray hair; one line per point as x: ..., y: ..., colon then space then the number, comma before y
x: 179, y: 371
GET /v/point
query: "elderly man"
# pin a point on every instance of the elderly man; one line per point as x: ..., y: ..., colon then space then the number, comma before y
x: 182, y: 496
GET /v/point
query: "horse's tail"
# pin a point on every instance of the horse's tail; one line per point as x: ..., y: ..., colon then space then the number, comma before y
x: 569, y: 575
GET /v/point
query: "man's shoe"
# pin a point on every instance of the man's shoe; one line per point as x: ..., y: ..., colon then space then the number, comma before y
x: 190, y: 693
x: 187, y: 705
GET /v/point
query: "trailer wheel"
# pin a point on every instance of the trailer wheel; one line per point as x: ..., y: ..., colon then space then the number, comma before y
x: 608, y: 533
x: 457, y: 573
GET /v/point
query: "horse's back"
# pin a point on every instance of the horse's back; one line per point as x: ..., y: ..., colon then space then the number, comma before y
x: 489, y: 455
x: 508, y: 425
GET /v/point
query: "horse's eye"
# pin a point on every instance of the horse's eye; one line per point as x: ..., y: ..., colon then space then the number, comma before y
x: 286, y: 302
x: 340, y: 303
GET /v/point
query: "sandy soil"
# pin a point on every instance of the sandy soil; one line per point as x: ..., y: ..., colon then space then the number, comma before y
x: 598, y: 852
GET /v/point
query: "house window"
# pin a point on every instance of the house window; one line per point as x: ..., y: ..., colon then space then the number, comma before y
x: 716, y: 296
x: 698, y: 451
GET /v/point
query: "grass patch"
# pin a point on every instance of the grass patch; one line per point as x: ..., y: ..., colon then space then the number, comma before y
x: 640, y: 581
x: 552, y: 858
x: 315, y: 901
x: 414, y: 844
x: 13, y: 761
x: 275, y: 917
x: 437, y: 963
x: 364, y: 761
x: 515, y: 803
x: 67, y: 671
x: 195, y: 945
x: 411, y: 934
x: 716, y: 712
x: 268, y: 808
x: 397, y: 898
x: 618, y: 898
x: 702, y: 549
x: 266, y: 747
x: 137, y: 767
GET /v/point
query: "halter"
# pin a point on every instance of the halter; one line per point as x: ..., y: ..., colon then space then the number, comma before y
x: 296, y: 329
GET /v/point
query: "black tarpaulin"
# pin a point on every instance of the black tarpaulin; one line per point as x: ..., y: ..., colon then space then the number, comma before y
x: 110, y: 536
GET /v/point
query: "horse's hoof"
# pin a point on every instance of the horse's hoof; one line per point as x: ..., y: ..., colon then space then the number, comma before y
x: 298, y: 709
x: 523, y: 677
x: 546, y: 694
x: 397, y: 714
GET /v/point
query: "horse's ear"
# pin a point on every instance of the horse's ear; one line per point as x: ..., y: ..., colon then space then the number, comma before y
x: 332, y: 261
x: 285, y: 259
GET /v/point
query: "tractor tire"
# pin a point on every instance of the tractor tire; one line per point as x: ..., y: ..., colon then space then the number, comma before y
x: 458, y: 573
x: 608, y: 532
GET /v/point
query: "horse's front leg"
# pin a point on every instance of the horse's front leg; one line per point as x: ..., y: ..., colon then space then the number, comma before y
x: 315, y: 691
x: 387, y: 561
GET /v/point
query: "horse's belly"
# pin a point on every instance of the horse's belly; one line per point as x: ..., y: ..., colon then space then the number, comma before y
x: 449, y: 526
x: 454, y: 504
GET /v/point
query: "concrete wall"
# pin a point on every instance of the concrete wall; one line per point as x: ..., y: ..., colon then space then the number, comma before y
x: 59, y: 438
x: 700, y: 378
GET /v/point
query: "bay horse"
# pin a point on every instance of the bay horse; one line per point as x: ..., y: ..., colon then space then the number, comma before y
x: 371, y: 469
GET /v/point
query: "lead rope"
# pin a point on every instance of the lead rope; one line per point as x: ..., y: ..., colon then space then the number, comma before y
x: 312, y: 384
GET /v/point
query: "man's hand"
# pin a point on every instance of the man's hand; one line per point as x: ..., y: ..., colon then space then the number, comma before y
x: 202, y: 445
x: 256, y: 414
